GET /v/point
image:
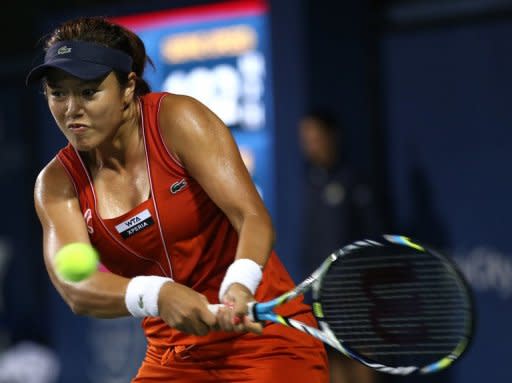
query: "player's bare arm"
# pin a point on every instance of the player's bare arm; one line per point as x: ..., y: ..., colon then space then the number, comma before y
x: 205, y: 147
x: 103, y: 294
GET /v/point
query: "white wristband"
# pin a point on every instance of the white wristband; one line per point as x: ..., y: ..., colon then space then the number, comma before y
x: 244, y: 271
x: 141, y: 297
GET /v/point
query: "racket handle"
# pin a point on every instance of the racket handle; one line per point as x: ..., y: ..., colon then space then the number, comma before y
x: 214, y: 308
x: 251, y: 313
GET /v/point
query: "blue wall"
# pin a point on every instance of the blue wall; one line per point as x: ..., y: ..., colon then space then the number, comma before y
x: 448, y: 118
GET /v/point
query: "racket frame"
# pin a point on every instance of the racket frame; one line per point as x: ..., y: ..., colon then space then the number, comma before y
x: 263, y: 311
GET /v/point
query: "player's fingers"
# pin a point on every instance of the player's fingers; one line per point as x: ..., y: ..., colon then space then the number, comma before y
x: 238, y: 323
x: 236, y: 320
x: 224, y: 318
x: 200, y: 328
x: 243, y: 323
x: 207, y: 317
x: 240, y: 309
x: 239, y: 313
x: 186, y: 328
x: 254, y: 327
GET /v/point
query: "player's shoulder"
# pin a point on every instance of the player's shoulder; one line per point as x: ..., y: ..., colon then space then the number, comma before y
x: 181, y: 106
x: 184, y: 118
x: 53, y: 182
x: 185, y: 123
x: 52, y: 170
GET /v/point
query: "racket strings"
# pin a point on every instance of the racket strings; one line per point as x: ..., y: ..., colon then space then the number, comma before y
x: 395, y: 307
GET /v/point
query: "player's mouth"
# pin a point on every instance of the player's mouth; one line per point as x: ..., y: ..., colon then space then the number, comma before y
x: 77, y: 128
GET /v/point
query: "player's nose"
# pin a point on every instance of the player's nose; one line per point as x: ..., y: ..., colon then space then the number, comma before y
x: 73, y: 106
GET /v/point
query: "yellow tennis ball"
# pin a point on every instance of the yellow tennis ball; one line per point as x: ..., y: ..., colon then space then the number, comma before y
x: 76, y: 261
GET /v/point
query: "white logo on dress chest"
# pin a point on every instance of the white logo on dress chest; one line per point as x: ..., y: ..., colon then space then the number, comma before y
x: 135, y: 224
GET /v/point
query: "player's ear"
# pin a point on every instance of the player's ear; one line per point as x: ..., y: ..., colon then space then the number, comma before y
x: 129, y: 90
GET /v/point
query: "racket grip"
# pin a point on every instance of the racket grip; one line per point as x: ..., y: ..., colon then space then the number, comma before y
x: 251, y: 313
x: 214, y: 308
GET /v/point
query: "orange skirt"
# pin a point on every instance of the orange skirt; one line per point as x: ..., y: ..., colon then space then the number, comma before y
x: 281, y: 354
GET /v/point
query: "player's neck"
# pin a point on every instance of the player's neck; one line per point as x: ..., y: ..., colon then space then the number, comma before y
x: 118, y: 152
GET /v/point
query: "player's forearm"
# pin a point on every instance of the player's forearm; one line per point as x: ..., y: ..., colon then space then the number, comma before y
x: 255, y: 242
x: 256, y: 238
x: 102, y: 295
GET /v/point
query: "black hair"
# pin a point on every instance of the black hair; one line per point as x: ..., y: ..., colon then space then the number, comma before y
x: 102, y: 31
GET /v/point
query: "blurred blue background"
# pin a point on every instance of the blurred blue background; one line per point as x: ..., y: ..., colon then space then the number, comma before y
x: 422, y: 88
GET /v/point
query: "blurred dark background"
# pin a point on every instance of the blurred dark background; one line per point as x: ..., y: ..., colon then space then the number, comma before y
x: 421, y: 89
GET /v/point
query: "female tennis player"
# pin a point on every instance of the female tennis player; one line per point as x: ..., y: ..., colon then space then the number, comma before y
x: 155, y: 182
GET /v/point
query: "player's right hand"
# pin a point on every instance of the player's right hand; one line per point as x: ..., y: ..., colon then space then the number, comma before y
x: 233, y: 315
x: 185, y: 309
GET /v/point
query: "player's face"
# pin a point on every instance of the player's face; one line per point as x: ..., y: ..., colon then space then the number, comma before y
x: 89, y: 113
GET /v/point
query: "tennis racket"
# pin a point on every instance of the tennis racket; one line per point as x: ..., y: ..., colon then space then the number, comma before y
x: 391, y: 303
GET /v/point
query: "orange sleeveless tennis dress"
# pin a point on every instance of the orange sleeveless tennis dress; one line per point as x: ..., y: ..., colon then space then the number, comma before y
x: 180, y: 233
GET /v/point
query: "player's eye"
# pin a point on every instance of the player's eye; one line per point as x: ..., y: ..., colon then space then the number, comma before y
x: 89, y: 92
x: 56, y: 93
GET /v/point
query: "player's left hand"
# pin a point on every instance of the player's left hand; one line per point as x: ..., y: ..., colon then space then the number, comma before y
x: 233, y: 316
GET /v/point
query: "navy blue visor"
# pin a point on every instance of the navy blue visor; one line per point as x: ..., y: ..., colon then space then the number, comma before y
x: 82, y: 59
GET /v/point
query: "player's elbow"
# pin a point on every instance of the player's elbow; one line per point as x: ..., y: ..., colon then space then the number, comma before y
x: 85, y: 308
x: 78, y: 309
x: 77, y: 305
x: 77, y: 302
